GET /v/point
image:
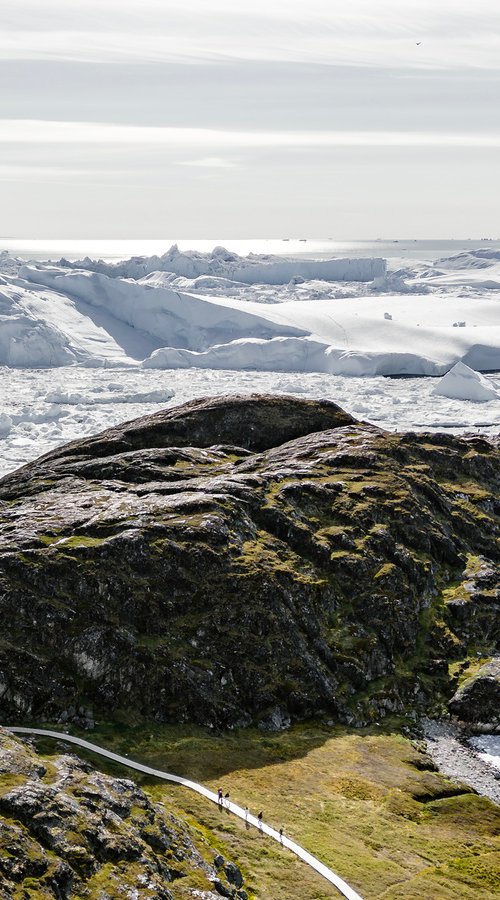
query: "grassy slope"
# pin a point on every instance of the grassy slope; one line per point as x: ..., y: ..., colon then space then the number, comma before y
x: 355, y: 799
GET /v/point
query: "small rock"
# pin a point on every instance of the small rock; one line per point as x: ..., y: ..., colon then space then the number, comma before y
x: 222, y: 889
x: 233, y: 874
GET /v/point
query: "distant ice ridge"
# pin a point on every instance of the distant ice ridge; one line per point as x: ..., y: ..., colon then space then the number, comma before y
x: 252, y: 269
x: 470, y: 259
x: 474, y: 270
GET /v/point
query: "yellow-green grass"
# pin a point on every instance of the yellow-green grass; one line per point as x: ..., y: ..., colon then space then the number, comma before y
x: 355, y: 799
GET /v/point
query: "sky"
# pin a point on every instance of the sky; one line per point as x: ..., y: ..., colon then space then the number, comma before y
x: 269, y: 118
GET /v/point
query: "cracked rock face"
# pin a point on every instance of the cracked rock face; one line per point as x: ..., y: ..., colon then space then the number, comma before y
x: 67, y: 831
x: 244, y: 559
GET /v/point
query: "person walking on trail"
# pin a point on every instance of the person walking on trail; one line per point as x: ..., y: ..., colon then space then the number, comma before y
x: 247, y: 813
x: 219, y: 796
x: 281, y: 835
x: 226, y: 798
x: 259, y: 819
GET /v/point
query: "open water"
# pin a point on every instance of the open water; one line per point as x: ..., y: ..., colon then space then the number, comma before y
x: 113, y: 250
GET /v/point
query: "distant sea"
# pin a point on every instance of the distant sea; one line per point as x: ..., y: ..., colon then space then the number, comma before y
x: 114, y: 250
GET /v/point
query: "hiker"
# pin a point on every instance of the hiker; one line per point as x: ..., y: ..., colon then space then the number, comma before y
x: 259, y: 819
x: 281, y: 835
x: 226, y: 798
x: 219, y: 797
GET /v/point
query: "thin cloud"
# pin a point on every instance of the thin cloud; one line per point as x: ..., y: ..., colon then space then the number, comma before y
x: 35, y: 131
x: 450, y: 33
x: 210, y: 162
x: 43, y: 173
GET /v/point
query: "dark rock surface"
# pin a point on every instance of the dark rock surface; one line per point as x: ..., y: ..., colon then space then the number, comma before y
x: 67, y: 831
x: 478, y: 698
x: 246, y: 559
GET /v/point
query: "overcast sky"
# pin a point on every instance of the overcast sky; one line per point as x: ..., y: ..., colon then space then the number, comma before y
x: 268, y: 118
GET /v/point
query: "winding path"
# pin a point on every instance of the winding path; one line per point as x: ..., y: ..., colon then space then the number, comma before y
x: 299, y: 851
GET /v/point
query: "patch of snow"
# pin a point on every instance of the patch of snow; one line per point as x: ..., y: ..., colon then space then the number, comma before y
x: 479, y: 258
x: 183, y: 320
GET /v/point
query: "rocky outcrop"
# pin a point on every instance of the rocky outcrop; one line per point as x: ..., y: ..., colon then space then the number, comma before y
x: 246, y: 559
x: 478, y: 698
x: 68, y: 831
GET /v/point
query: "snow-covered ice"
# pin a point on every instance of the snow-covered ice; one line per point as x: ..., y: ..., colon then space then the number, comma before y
x: 462, y: 383
x: 86, y: 344
x: 258, y: 312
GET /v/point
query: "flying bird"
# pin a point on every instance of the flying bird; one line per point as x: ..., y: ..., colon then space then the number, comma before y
x: 418, y: 43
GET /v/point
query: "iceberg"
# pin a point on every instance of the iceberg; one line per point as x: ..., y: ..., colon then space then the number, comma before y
x: 463, y: 383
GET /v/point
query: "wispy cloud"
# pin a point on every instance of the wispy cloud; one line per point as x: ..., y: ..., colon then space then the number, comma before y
x: 34, y: 131
x: 211, y: 162
x: 450, y: 33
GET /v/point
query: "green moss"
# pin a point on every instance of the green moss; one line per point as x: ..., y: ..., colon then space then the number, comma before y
x: 481, y: 871
x: 386, y: 570
x: 266, y: 553
x: 465, y: 669
x: 465, y: 489
x: 48, y: 539
x: 80, y: 540
x: 9, y: 780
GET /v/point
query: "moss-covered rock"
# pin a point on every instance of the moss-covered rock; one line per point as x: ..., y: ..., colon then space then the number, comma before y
x: 478, y: 698
x: 246, y: 559
x: 67, y: 831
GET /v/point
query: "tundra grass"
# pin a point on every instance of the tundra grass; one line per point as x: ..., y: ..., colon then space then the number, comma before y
x: 365, y: 802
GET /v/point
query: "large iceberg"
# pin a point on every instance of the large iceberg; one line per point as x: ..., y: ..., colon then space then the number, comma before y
x: 251, y: 269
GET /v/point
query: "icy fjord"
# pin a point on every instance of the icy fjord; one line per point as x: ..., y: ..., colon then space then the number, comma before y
x: 187, y: 322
